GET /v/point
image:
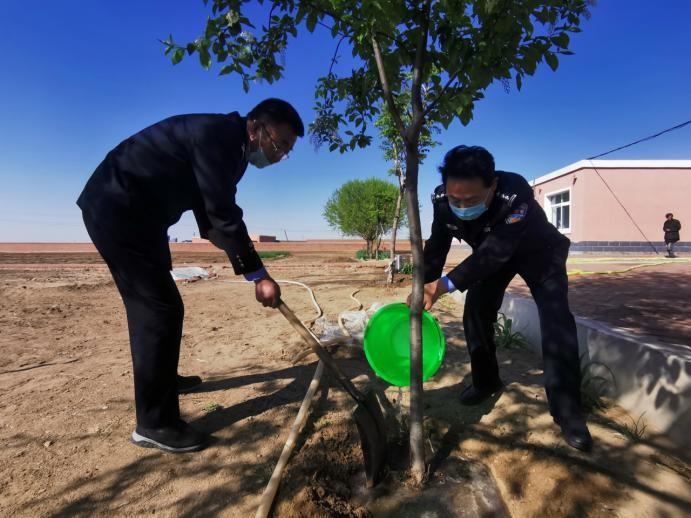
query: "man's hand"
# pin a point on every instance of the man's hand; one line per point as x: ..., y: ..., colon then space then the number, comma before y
x: 267, y: 292
x: 433, y: 290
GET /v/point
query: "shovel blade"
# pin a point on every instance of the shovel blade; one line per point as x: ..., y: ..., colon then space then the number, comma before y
x: 372, y: 429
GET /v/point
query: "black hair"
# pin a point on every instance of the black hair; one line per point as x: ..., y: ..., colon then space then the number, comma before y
x: 669, y: 214
x: 464, y: 162
x: 278, y: 111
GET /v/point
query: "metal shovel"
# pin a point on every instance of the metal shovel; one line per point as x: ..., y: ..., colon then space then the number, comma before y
x: 368, y: 415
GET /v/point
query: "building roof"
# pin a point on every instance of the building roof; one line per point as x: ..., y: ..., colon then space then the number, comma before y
x: 613, y: 164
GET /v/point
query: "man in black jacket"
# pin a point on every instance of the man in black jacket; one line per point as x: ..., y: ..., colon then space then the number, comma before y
x: 142, y: 187
x: 496, y: 214
x: 671, y: 228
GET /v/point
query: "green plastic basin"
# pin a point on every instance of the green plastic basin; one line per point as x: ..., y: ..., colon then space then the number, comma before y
x: 387, y: 344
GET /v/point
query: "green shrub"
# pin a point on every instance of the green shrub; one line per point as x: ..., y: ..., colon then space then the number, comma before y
x: 382, y: 254
x: 407, y: 269
x: 273, y: 254
x: 505, y: 336
x: 597, y: 381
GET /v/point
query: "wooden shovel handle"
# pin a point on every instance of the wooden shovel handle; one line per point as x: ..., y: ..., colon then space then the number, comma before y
x: 322, y: 353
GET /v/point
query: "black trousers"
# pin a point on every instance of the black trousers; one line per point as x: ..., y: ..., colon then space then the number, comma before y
x: 140, y: 263
x: 557, y: 326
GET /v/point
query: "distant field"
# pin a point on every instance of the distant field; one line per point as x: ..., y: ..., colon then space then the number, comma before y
x: 320, y: 245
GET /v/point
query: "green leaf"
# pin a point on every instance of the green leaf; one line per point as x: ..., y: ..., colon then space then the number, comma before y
x: 562, y: 40
x: 204, y: 57
x: 226, y: 70
x: 519, y: 81
x: 552, y: 61
x: 178, y: 55
x: 311, y: 21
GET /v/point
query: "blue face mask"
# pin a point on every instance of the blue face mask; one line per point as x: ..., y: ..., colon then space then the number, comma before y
x: 258, y: 158
x: 470, y: 213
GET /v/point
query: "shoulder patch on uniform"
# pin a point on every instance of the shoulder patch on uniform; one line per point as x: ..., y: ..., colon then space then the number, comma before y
x: 517, y: 214
x: 439, y: 193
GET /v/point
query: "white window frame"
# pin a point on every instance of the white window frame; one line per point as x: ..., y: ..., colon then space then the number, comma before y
x: 548, y: 208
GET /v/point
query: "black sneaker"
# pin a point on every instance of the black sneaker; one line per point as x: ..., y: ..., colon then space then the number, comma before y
x: 188, y: 383
x: 471, y: 395
x: 181, y: 438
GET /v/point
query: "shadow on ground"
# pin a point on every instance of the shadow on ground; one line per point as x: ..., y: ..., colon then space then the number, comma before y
x: 512, y: 435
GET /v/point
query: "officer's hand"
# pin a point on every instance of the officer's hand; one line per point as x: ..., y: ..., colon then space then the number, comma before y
x: 267, y: 292
x: 433, y: 290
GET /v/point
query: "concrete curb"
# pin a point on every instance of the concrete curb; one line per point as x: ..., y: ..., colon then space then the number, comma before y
x: 651, y: 376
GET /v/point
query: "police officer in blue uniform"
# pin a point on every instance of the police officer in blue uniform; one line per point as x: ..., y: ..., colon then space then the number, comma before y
x: 142, y: 187
x: 495, y: 212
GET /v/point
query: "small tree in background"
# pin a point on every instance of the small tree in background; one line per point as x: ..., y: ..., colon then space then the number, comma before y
x: 457, y: 48
x: 364, y: 208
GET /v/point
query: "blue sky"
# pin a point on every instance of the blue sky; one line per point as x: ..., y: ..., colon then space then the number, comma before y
x: 78, y: 77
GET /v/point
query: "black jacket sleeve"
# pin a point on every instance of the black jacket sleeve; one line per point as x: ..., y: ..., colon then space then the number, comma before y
x: 499, y: 245
x: 215, y: 163
x: 436, y: 248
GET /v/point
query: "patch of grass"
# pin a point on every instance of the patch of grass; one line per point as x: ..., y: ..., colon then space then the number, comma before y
x: 211, y: 407
x: 504, y: 335
x: 636, y: 430
x: 446, y: 301
x: 407, y: 269
x: 273, y: 254
x: 320, y: 423
x: 597, y: 381
x: 362, y: 254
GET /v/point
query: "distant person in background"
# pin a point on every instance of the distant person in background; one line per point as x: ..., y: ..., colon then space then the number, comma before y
x: 142, y: 187
x: 671, y: 227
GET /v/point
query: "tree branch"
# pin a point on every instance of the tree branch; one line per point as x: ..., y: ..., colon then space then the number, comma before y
x: 335, y: 56
x: 388, y: 95
x: 418, y: 65
x: 337, y: 18
x: 271, y: 14
x: 435, y: 101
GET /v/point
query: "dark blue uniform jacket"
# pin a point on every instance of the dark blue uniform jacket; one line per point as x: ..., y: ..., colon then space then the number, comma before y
x: 186, y: 162
x: 513, y: 233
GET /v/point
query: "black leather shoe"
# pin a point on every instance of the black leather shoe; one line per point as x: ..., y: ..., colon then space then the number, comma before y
x: 188, y: 383
x: 474, y: 396
x: 576, y: 435
x: 181, y: 438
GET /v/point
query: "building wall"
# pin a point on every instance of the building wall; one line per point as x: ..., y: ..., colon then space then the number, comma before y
x: 648, y: 194
x: 572, y: 182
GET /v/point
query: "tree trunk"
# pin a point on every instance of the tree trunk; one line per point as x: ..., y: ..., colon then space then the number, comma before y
x: 417, y: 447
x: 396, y: 219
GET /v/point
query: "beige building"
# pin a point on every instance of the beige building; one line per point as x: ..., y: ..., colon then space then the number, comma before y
x: 588, y: 201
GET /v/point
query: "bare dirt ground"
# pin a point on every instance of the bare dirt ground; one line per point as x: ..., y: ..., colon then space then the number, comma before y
x: 66, y: 407
x: 651, y: 300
